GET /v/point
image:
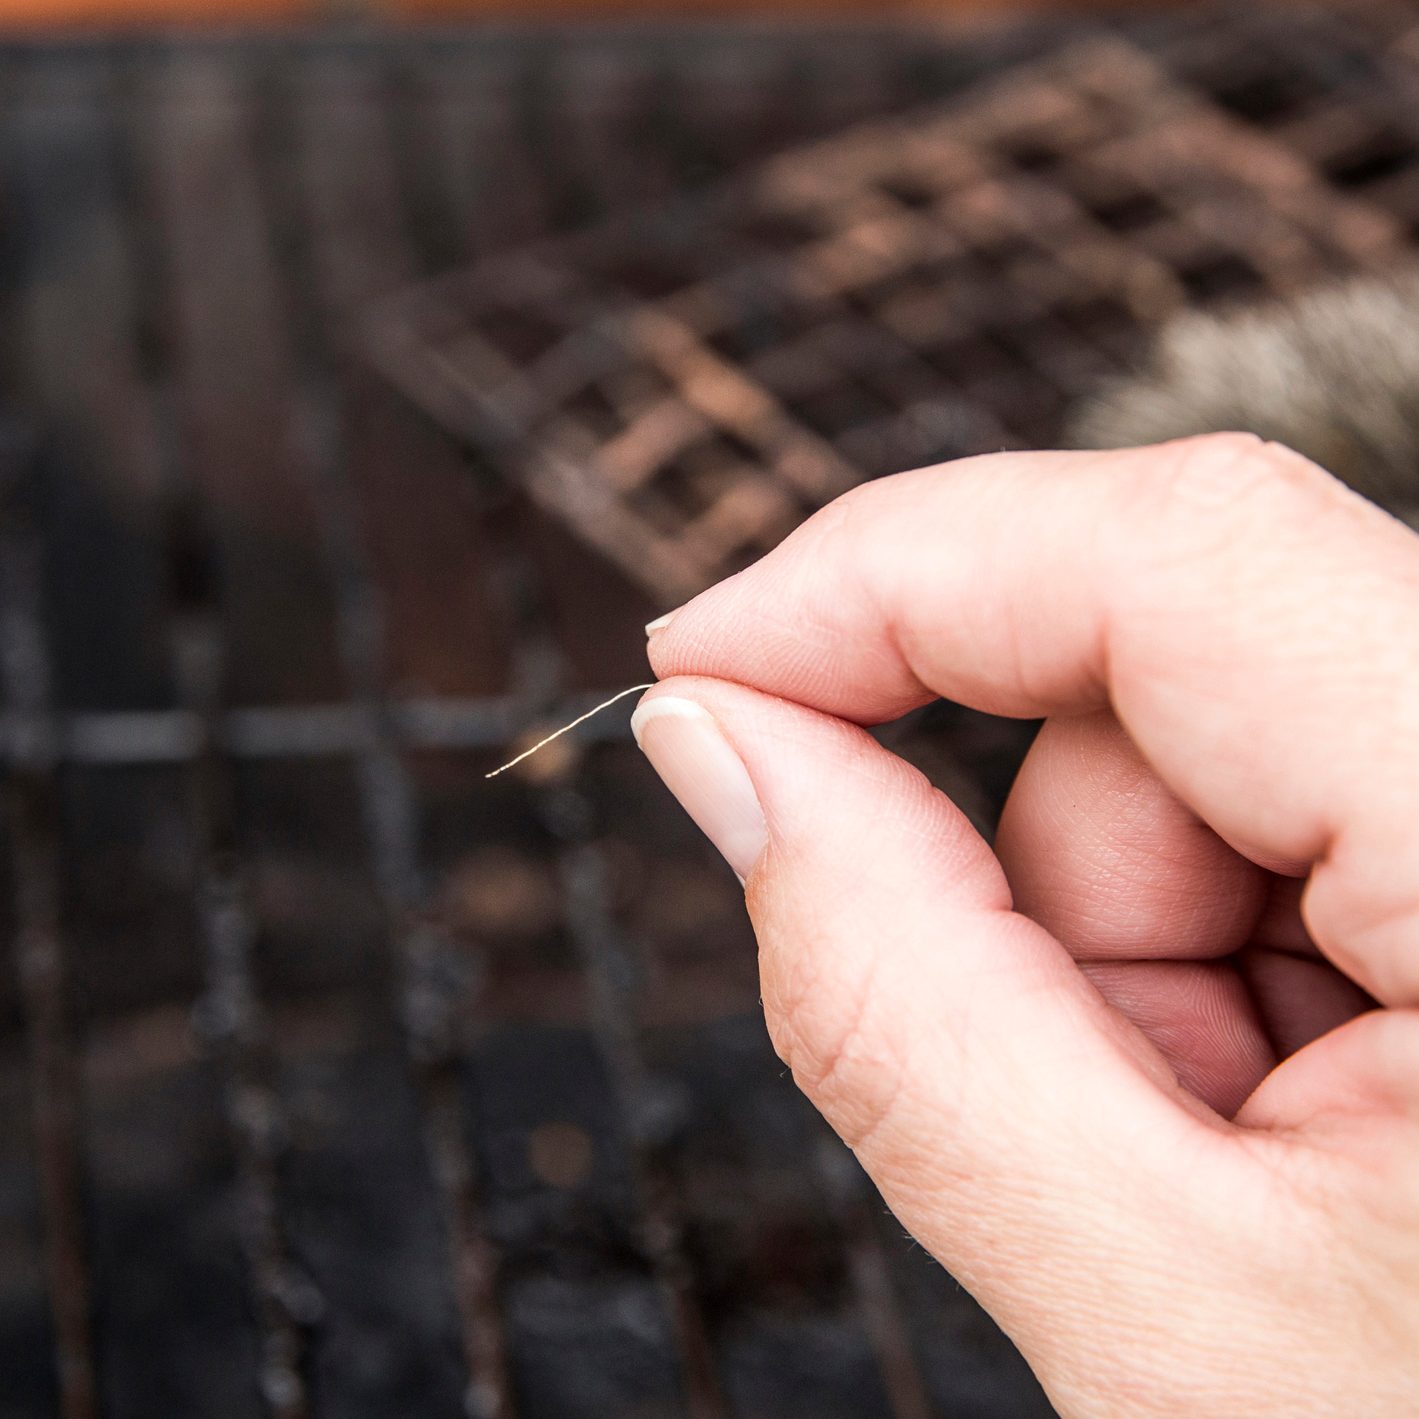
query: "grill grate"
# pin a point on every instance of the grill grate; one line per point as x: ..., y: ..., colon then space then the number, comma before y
x: 683, y: 386
x: 1335, y: 89
x: 335, y: 1080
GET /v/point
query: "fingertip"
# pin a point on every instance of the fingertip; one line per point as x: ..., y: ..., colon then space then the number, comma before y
x: 819, y: 781
x: 698, y: 763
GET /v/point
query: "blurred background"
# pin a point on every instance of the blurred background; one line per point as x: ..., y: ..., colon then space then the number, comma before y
x: 142, y: 12
x: 371, y: 373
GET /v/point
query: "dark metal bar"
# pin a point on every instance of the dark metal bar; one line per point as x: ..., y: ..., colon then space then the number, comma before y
x: 343, y: 729
x: 605, y: 957
x: 52, y: 123
x: 877, y: 1301
x: 236, y: 404
x: 187, y: 115
x: 611, y: 970
x: 32, y: 808
x: 342, y: 158
x: 232, y: 1018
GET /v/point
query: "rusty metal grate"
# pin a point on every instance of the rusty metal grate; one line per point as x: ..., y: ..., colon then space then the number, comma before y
x: 1337, y: 88
x: 684, y: 385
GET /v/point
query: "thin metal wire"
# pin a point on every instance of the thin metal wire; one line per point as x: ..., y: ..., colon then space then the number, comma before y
x: 567, y: 728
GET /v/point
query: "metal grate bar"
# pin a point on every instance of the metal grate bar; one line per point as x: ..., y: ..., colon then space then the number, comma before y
x: 877, y: 1300
x: 71, y: 203
x: 232, y: 1016
x: 56, y: 163
x: 340, y: 730
x: 1336, y: 89
x: 33, y: 810
x: 612, y: 964
x: 343, y: 158
x: 204, y: 640
x: 608, y: 966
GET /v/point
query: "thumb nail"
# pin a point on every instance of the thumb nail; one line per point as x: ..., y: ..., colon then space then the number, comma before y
x: 687, y: 749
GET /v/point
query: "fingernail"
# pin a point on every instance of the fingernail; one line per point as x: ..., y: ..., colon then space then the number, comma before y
x: 660, y: 623
x: 686, y: 748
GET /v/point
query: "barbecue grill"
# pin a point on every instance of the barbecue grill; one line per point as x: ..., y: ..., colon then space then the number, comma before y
x: 337, y: 1081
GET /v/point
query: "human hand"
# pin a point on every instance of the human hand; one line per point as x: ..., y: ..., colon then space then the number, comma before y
x: 1128, y: 1079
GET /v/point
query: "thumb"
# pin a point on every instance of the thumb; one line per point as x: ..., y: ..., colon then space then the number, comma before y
x: 1024, y: 1132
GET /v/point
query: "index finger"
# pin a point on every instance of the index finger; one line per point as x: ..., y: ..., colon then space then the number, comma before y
x: 1250, y: 621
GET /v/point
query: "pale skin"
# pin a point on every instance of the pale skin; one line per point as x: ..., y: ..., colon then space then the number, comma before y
x: 1145, y: 1076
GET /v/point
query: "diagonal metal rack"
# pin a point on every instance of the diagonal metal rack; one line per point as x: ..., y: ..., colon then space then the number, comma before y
x: 1335, y: 86
x: 684, y: 384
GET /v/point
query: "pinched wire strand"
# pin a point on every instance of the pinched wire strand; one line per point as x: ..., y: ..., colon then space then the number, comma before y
x: 557, y: 734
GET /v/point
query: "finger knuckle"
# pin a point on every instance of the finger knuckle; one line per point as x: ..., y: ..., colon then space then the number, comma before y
x: 841, y: 1051
x: 1215, y: 501
x: 1234, y: 473
x: 846, y: 511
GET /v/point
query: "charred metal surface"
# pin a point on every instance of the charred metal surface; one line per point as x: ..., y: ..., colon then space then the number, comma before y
x: 335, y: 1080
x: 40, y: 955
